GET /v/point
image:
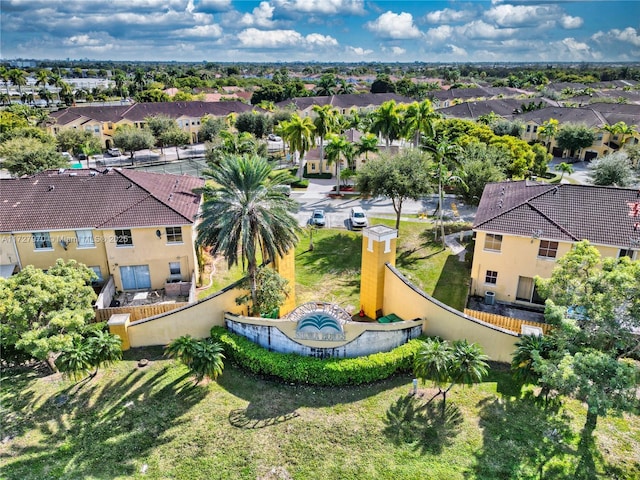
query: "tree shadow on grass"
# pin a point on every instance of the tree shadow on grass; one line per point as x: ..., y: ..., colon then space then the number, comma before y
x: 100, y: 428
x: 523, y: 440
x: 414, y: 421
x: 335, y: 254
x: 271, y: 402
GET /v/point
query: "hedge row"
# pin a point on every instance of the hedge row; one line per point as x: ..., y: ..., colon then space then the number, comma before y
x: 293, y: 368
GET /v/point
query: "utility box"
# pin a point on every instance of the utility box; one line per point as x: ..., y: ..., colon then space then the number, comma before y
x: 490, y: 298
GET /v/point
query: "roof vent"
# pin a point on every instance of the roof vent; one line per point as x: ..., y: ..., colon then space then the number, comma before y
x: 73, y: 174
x: 51, y: 187
x: 93, y: 173
x: 130, y: 185
x: 60, y: 171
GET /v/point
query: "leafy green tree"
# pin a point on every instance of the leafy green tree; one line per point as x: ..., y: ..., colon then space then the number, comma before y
x: 613, y: 169
x: 78, y: 141
x: 271, y: 292
x: 203, y: 358
x: 210, y: 128
x: 269, y: 93
x: 400, y: 177
x: 521, y: 155
x: 257, y: 124
x: 247, y: 214
x: 44, y: 313
x: 573, y: 137
x: 229, y: 143
x: 152, y: 95
x: 131, y: 139
x: 26, y: 156
x: 159, y: 124
x: 383, y: 84
x: 175, y: 137
x: 327, y: 85
x: 299, y: 133
x: 540, y: 160
x: 481, y: 164
x: 548, y: 130
x: 595, y: 305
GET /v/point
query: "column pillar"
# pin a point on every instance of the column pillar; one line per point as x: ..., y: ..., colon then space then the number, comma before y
x: 378, y: 248
x: 286, y: 268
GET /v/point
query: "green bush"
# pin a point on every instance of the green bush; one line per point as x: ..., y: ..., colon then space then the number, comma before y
x: 290, y: 367
x: 300, y: 183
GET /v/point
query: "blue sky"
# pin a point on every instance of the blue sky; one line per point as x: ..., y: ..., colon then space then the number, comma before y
x: 322, y: 30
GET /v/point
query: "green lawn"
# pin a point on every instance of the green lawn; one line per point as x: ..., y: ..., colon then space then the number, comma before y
x: 331, y: 271
x: 243, y: 427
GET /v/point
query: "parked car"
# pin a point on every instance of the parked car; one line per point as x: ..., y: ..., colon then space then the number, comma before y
x: 274, y: 138
x: 317, y: 218
x: 67, y: 156
x: 358, y: 218
x: 82, y: 156
x: 114, y: 152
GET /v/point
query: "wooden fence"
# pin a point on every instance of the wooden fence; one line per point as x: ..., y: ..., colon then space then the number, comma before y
x: 513, y: 324
x: 138, y: 312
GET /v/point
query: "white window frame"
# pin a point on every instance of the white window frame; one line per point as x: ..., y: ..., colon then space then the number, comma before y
x: 42, y: 241
x: 81, y: 236
x: 494, y: 239
x: 173, y: 234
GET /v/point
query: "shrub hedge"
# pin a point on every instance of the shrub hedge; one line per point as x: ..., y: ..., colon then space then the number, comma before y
x: 293, y: 368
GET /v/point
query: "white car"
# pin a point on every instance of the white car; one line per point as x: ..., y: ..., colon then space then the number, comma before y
x: 114, y: 152
x: 358, y: 218
x: 274, y: 138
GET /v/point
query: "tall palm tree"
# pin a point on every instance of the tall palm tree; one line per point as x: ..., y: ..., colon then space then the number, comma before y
x: 418, y: 119
x: 55, y: 80
x: 246, y: 213
x: 4, y: 75
x: 367, y: 143
x: 42, y: 77
x: 338, y: 145
x: 300, y: 135
x: 563, y: 168
x: 548, y: 130
x: 386, y: 121
x: 446, y: 155
x: 18, y: 78
x: 325, y: 121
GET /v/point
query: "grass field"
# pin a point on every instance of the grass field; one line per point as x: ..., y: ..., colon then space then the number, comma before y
x: 129, y: 420
x: 331, y: 271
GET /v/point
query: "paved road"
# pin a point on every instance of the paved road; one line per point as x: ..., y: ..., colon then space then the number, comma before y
x: 337, y: 210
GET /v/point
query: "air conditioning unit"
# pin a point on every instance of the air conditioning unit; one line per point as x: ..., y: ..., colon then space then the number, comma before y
x: 531, y: 330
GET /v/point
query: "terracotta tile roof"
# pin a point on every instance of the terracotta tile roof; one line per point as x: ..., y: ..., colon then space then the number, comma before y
x: 562, y: 212
x: 87, y: 198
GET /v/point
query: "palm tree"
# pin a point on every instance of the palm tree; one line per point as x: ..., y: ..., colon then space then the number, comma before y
x: 247, y: 213
x: 18, y: 78
x: 105, y: 349
x: 622, y: 129
x: 45, y: 94
x: 564, y: 167
x: 119, y: 78
x: 345, y: 87
x: 338, y: 145
x: 299, y: 134
x: 42, y: 77
x: 4, y: 75
x: 522, y: 360
x: 419, y: 120
x: 55, y: 80
x: 325, y: 121
x: 386, y: 121
x: 202, y: 357
x: 445, y: 154
x: 367, y: 143
x: 548, y: 130
x: 434, y: 362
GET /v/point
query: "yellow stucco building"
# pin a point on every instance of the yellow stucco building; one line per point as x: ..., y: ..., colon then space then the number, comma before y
x: 136, y: 226
x: 522, y: 228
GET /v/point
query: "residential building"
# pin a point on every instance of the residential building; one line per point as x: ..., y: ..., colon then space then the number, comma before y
x: 137, y: 226
x: 522, y: 229
x: 102, y: 121
x: 362, y: 102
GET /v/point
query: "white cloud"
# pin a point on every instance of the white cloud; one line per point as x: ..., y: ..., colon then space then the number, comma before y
x: 361, y: 52
x: 457, y: 51
x: 439, y: 34
x: 254, y: 38
x: 84, y: 40
x: 569, y: 22
x: 213, y: 4
x: 327, y: 7
x: 201, y: 31
x: 520, y: 15
x: 479, y: 29
x: 262, y: 16
x: 398, y: 50
x: 394, y: 25
x: 628, y: 35
x: 449, y: 16
x: 576, y: 47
